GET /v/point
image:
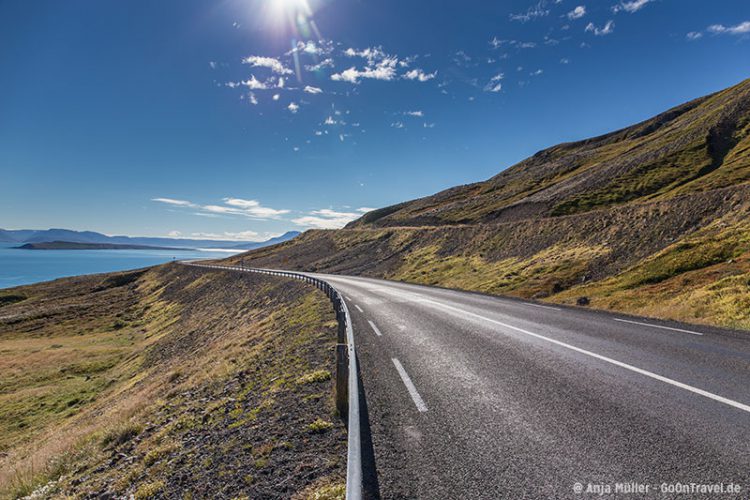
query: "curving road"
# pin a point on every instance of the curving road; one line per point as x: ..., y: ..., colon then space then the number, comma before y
x: 471, y: 396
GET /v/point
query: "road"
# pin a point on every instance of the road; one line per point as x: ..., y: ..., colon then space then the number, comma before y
x: 470, y: 396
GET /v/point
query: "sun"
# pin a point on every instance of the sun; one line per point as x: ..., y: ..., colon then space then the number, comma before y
x: 290, y: 9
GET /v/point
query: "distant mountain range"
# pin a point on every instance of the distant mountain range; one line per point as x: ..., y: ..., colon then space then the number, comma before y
x: 24, y: 236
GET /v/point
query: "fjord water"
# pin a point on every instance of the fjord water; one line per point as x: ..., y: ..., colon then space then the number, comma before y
x: 23, y: 267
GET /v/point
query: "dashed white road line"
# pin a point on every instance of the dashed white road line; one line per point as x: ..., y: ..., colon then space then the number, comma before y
x: 358, y: 308
x: 348, y: 298
x: 375, y: 328
x: 657, y: 326
x: 666, y: 380
x: 544, y: 307
x: 421, y: 407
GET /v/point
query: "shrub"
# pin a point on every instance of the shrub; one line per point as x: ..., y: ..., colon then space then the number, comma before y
x: 319, y: 426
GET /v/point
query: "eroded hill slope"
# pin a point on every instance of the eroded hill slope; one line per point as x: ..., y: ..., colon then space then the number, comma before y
x: 651, y: 219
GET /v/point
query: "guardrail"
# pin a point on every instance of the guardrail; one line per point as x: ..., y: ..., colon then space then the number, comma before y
x: 347, y: 383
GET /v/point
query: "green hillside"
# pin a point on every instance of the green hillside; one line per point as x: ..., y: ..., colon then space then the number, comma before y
x: 651, y: 219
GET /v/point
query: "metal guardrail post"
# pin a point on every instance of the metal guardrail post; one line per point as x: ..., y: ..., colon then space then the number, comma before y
x: 342, y: 380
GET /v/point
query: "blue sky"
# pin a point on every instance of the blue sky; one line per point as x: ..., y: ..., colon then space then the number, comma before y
x: 244, y: 119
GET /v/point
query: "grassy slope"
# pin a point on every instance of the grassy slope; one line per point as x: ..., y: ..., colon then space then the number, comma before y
x: 698, y: 146
x: 619, y: 258
x: 168, y: 381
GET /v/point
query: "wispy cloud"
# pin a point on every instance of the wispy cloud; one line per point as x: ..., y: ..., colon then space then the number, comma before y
x: 419, y: 113
x: 328, y: 219
x: 577, y: 13
x: 322, y: 47
x: 325, y: 63
x: 694, y: 35
x: 231, y: 236
x: 252, y: 84
x: 268, y: 62
x: 608, y: 28
x: 738, y: 29
x: 495, y: 85
x: 172, y: 201
x: 533, y: 12
x: 419, y: 74
x: 630, y: 7
x: 293, y: 107
x: 231, y: 206
x: 312, y: 90
x: 354, y: 75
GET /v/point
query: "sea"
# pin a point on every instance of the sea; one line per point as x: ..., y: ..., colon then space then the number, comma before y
x: 23, y: 267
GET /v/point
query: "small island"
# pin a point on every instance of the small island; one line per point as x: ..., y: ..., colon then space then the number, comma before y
x: 72, y: 245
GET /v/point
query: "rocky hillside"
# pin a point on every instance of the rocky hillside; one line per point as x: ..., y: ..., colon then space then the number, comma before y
x: 651, y: 219
x: 172, y: 382
x: 696, y: 147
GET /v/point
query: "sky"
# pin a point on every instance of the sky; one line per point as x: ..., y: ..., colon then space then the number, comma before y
x: 243, y: 119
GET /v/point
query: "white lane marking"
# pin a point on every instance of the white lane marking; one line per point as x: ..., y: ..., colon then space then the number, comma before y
x: 375, y: 329
x: 348, y: 298
x: 410, y: 386
x: 632, y: 368
x: 358, y: 308
x: 540, y: 305
x: 657, y: 326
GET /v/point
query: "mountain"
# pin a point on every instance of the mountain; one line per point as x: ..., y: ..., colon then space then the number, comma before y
x: 653, y: 219
x: 696, y: 147
x: 273, y: 241
x: 49, y: 235
x: 68, y: 245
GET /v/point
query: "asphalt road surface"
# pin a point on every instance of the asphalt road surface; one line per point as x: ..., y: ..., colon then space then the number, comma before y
x: 470, y: 396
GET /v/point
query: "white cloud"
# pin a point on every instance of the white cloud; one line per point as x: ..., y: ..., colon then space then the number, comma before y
x: 325, y: 63
x: 312, y: 90
x: 428, y: 125
x: 174, y: 234
x: 253, y: 100
x: 608, y: 28
x: 268, y: 62
x: 533, y: 12
x: 630, y: 7
x: 694, y: 35
x: 254, y: 84
x: 330, y: 121
x: 172, y: 201
x: 364, y: 210
x: 353, y: 75
x: 232, y: 236
x: 419, y: 74
x: 397, y: 124
x: 275, y: 97
x: 494, y: 85
x: 739, y: 29
x: 310, y: 47
x: 577, y: 13
x: 232, y: 206
x: 372, y: 54
x: 419, y: 113
x: 212, y: 64
x: 293, y: 107
x: 537, y: 72
x: 327, y: 219
x: 564, y: 60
